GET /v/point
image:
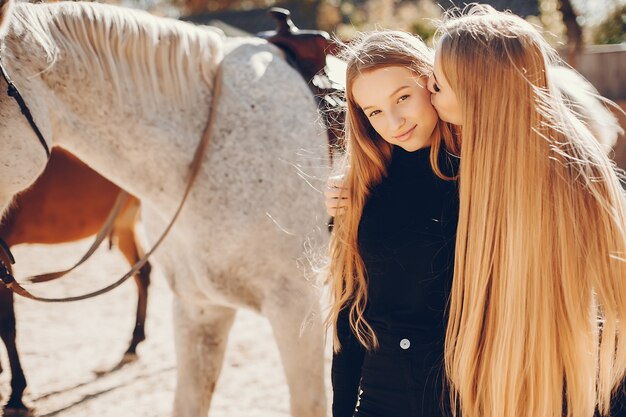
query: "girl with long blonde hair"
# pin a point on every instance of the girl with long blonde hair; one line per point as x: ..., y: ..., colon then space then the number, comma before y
x: 392, y: 247
x: 537, y: 313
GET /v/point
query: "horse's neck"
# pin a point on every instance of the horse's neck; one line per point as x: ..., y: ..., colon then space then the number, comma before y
x: 119, y: 113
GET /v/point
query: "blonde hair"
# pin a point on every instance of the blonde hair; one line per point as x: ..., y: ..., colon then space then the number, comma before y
x: 537, y: 319
x: 366, y: 159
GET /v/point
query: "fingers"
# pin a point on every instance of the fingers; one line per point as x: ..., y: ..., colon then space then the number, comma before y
x: 336, y: 206
x: 336, y: 181
x: 336, y: 196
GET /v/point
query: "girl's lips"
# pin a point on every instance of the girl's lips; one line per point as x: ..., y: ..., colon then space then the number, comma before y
x: 406, y: 134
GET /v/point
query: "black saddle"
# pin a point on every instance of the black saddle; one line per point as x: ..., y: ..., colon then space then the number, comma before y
x: 306, y: 51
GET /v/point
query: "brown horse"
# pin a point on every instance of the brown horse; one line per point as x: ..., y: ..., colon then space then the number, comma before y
x: 68, y: 202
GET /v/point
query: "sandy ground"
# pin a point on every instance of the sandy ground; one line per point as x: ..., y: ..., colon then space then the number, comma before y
x: 62, y: 345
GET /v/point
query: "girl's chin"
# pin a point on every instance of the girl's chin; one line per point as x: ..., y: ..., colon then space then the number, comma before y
x: 412, y: 147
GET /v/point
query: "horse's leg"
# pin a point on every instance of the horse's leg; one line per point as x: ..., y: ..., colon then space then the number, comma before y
x: 200, y: 336
x: 300, y: 344
x: 128, y: 246
x: 142, y: 279
x: 124, y: 229
x: 8, y: 333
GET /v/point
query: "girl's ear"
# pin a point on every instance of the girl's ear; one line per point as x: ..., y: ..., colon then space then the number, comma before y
x: 5, y: 15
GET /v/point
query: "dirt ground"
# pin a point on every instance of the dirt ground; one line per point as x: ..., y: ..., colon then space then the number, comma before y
x: 63, y: 346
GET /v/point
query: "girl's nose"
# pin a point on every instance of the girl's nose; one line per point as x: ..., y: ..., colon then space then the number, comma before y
x: 396, y: 120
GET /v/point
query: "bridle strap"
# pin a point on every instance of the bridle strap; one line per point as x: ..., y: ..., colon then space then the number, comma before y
x: 9, y: 280
x: 105, y: 230
x: 7, y: 252
x: 12, y: 91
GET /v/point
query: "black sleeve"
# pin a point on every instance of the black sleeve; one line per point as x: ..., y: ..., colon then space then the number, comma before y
x: 346, y: 368
x: 618, y: 403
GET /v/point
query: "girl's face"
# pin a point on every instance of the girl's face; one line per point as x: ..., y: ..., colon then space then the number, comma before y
x: 443, y: 97
x: 396, y: 102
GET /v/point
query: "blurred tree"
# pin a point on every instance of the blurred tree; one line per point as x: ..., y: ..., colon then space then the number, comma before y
x: 304, y: 14
x: 408, y: 15
x: 573, y: 31
x: 613, y: 29
x: 328, y: 16
x: 570, y: 21
x: 519, y: 7
x: 191, y: 7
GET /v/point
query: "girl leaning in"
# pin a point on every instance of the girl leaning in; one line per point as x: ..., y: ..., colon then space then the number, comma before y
x: 537, y: 313
x: 392, y: 249
x: 539, y: 263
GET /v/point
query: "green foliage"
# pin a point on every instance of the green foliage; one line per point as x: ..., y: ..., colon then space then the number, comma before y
x: 613, y: 29
x: 424, y: 28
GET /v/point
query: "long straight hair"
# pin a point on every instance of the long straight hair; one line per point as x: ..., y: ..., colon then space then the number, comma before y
x: 537, y: 319
x: 365, y: 163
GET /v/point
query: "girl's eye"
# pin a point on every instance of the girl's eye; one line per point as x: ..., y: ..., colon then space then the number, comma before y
x: 374, y: 113
x: 404, y: 97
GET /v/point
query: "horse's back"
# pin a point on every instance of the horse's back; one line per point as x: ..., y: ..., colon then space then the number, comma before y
x: 268, y: 137
x: 255, y: 207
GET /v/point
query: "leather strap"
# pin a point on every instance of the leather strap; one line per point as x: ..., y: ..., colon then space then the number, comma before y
x: 105, y: 231
x: 9, y: 280
x: 12, y: 91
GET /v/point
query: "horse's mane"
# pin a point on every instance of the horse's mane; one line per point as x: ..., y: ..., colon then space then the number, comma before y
x: 154, y: 54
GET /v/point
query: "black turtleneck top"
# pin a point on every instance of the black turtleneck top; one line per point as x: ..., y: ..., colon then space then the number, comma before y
x: 406, y: 239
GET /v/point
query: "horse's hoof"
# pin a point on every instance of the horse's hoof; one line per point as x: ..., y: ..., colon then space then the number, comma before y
x: 129, y: 357
x: 126, y: 359
x: 18, y: 412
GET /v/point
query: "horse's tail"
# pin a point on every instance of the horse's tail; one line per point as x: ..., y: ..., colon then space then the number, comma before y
x: 5, y: 12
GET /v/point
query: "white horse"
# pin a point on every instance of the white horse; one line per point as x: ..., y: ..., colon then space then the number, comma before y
x: 588, y: 105
x: 129, y: 94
